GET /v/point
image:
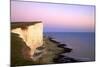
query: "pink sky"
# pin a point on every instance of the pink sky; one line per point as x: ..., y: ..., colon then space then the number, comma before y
x: 55, y: 17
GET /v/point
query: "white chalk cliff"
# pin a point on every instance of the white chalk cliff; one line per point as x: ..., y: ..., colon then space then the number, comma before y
x: 30, y: 32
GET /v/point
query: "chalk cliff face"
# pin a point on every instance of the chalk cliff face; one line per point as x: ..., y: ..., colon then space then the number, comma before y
x: 32, y: 35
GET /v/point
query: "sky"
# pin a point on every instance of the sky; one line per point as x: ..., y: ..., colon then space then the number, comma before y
x: 55, y: 17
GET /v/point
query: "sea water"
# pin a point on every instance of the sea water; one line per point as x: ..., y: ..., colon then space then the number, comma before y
x: 82, y: 43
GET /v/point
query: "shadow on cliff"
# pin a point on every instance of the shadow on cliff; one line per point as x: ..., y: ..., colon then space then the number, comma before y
x: 19, y: 51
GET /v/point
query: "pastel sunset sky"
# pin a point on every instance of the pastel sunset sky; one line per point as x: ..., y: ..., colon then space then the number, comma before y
x: 55, y: 17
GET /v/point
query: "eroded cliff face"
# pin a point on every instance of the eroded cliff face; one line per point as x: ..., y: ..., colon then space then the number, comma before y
x: 32, y: 35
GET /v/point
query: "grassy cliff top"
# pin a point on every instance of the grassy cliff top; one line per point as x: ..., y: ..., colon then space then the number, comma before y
x: 23, y: 24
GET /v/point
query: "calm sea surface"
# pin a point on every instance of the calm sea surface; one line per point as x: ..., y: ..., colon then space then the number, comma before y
x: 82, y: 43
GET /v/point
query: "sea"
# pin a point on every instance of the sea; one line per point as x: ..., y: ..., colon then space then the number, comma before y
x: 82, y: 43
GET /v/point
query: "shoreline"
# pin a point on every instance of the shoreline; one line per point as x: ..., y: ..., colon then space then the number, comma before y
x: 60, y: 50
